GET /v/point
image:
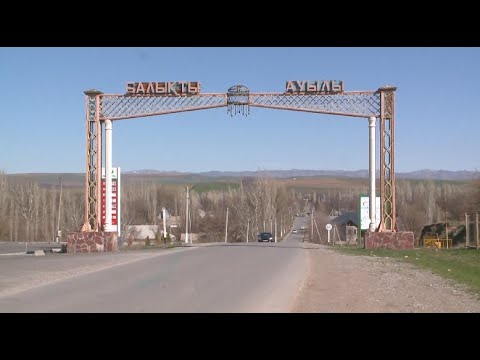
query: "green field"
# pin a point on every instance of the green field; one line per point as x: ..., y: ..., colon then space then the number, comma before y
x: 219, y: 186
x: 461, y: 265
x: 202, y: 183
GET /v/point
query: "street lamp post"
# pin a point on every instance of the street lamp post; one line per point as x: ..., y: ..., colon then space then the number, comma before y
x: 226, y: 227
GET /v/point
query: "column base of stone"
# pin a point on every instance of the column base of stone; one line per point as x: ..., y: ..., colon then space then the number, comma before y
x: 88, y: 241
x: 403, y: 240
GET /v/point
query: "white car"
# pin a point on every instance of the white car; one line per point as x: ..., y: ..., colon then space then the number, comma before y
x: 294, y: 231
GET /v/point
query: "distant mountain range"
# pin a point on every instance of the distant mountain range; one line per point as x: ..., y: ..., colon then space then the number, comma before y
x: 419, y: 174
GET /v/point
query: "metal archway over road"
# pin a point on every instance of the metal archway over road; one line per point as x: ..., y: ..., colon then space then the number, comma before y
x: 143, y: 99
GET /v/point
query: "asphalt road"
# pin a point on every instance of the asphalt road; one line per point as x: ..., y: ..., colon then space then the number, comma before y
x: 254, y: 277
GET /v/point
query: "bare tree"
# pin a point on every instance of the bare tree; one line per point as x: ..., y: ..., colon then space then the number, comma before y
x: 45, y: 214
x: 73, y: 211
x: 25, y: 196
x: 241, y: 214
x: 4, y: 200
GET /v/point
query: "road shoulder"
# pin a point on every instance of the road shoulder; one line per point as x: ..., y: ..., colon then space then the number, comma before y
x: 338, y: 283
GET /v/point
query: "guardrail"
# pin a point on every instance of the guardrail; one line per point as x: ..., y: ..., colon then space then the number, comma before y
x: 433, y: 241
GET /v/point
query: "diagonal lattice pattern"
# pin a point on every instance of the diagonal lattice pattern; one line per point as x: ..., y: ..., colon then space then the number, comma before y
x: 115, y: 107
x: 92, y: 138
x: 361, y: 104
x: 387, y: 143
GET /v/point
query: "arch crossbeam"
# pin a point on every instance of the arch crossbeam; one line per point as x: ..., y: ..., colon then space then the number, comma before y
x: 116, y: 107
x: 359, y: 104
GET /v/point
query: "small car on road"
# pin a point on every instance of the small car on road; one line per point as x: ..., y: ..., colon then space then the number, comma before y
x: 294, y: 231
x: 265, y: 236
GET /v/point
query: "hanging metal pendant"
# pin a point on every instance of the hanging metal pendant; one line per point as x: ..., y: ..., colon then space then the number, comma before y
x: 238, y: 100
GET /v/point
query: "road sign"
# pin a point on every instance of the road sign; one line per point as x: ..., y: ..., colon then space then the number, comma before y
x: 328, y: 227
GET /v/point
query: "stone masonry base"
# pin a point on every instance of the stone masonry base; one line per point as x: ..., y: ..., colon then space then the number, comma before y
x: 92, y: 242
x: 389, y: 240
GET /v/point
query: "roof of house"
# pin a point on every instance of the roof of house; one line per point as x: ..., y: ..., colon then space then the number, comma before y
x: 142, y: 231
x: 346, y: 217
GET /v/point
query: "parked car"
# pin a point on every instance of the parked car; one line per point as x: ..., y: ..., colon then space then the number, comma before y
x: 294, y: 231
x: 265, y: 236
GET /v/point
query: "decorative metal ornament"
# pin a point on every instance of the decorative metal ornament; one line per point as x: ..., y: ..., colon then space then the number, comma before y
x: 238, y: 100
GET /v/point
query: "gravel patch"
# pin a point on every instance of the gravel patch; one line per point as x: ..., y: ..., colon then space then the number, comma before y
x: 339, y: 283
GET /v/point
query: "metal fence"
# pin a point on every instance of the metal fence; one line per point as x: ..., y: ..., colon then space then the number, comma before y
x: 472, y: 236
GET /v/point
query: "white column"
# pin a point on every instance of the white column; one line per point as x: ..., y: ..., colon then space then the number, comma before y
x: 371, y: 125
x: 108, y: 176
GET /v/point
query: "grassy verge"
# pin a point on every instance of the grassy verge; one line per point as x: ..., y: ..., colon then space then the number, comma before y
x: 461, y: 265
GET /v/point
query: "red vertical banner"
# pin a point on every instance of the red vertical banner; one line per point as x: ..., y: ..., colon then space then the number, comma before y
x: 114, y: 201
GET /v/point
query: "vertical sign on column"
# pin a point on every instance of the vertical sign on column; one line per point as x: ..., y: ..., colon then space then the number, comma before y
x: 365, y: 212
x: 115, y: 198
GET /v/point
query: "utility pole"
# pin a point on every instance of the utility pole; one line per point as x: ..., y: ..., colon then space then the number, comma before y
x: 226, y: 227
x: 446, y: 223
x: 59, y: 234
x: 318, y: 232
x: 311, y: 225
x: 476, y: 230
x: 281, y: 226
x: 186, y: 218
x: 467, y: 231
x: 248, y: 226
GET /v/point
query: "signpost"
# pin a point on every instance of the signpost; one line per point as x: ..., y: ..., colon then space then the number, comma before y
x: 364, y: 215
x: 365, y: 212
x: 328, y: 227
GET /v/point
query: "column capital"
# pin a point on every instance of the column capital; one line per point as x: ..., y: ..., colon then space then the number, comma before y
x: 387, y: 88
x: 92, y: 92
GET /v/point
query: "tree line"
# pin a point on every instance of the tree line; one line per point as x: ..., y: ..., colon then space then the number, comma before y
x: 418, y: 202
x: 257, y: 205
x: 30, y: 211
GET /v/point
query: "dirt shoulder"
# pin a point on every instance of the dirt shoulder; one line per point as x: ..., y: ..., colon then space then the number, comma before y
x: 339, y: 283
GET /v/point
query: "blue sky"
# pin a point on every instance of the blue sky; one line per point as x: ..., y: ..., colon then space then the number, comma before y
x: 43, y: 108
